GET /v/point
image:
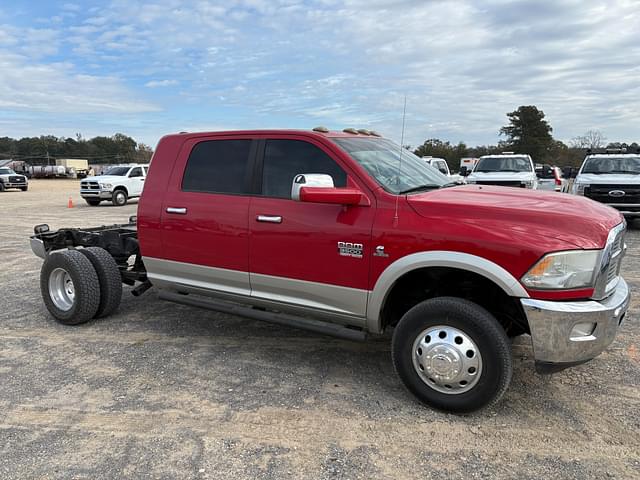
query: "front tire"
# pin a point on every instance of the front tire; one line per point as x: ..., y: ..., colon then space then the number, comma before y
x: 119, y: 198
x: 24, y: 189
x: 70, y: 287
x: 452, y: 354
x: 92, y: 202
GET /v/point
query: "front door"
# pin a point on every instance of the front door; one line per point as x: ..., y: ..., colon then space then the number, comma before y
x: 298, y: 252
x: 204, y: 216
x: 136, y: 181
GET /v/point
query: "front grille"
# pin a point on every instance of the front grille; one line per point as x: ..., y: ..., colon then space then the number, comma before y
x: 89, y: 186
x: 621, y: 193
x: 16, y: 179
x: 502, y: 184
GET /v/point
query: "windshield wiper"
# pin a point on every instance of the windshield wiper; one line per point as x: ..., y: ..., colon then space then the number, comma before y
x: 418, y: 188
x: 625, y: 171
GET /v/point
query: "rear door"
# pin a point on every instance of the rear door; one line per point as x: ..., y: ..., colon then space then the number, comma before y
x: 204, y: 217
x: 294, y: 253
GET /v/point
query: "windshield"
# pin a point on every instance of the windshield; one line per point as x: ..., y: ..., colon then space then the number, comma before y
x: 612, y: 165
x: 120, y: 171
x: 503, y: 164
x: 380, y: 158
x: 6, y: 171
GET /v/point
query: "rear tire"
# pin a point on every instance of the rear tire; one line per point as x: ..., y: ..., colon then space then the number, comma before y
x: 452, y: 354
x: 92, y: 202
x: 70, y: 287
x: 109, y: 278
x: 119, y: 198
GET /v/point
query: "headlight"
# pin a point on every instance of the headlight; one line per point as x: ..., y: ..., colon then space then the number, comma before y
x: 105, y: 186
x: 563, y: 270
x: 579, y: 188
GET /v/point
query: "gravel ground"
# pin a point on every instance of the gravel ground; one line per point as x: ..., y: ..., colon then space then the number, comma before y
x: 167, y: 391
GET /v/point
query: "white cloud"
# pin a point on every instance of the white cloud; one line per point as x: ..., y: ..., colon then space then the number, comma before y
x: 160, y: 83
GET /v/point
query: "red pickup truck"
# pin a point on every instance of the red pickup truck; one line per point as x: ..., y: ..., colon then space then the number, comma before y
x: 348, y: 234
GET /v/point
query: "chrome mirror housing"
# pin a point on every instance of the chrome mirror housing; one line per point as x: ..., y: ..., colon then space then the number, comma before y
x: 321, y: 180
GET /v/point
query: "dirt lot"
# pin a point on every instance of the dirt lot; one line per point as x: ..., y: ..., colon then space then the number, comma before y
x: 167, y: 391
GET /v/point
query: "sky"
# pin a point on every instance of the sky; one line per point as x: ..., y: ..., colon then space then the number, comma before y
x: 146, y: 69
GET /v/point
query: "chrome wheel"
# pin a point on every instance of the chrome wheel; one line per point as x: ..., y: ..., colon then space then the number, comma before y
x: 447, y: 359
x: 61, y: 289
x: 121, y: 199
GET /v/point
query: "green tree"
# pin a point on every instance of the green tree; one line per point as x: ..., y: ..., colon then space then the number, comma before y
x: 528, y: 132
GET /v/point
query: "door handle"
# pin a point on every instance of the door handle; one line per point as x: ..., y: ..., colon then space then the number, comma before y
x: 178, y: 210
x: 269, y: 218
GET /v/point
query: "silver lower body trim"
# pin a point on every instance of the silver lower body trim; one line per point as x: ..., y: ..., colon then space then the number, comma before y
x: 334, y: 303
x: 572, y: 332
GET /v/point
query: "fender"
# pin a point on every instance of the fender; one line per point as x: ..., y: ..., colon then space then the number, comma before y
x: 436, y: 258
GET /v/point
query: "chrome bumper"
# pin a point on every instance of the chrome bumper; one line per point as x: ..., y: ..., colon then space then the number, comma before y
x: 101, y: 194
x: 569, y: 333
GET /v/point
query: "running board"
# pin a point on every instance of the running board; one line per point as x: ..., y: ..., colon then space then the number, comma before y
x: 286, y: 319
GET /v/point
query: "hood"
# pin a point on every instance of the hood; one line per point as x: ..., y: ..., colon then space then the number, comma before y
x: 501, y: 176
x: 7, y: 175
x: 609, y: 178
x: 105, y: 178
x: 527, y: 214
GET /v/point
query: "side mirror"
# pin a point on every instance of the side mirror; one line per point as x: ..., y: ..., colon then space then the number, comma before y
x: 463, y: 171
x: 320, y: 180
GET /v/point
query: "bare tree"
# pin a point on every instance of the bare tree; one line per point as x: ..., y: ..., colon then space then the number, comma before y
x: 591, y: 139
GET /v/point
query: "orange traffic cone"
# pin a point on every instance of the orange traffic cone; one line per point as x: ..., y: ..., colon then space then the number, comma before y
x: 70, y: 204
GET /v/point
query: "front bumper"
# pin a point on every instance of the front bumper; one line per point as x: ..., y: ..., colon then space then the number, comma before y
x: 15, y: 185
x: 561, y: 331
x: 94, y: 194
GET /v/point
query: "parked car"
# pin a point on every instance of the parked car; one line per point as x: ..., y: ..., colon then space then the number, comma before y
x: 506, y: 169
x: 443, y: 167
x: 550, y: 178
x: 322, y: 230
x: 10, y: 179
x: 612, y: 178
x: 117, y: 185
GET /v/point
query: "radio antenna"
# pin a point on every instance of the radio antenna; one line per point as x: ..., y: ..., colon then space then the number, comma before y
x: 404, y: 113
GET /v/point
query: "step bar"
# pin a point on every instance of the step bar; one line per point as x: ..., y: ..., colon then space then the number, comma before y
x: 312, y: 325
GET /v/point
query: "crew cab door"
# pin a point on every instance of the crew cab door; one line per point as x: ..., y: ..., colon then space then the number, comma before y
x: 204, y: 217
x: 294, y: 254
x: 135, y: 181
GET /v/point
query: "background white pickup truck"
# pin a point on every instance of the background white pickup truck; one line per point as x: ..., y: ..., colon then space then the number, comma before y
x: 117, y: 185
x: 442, y: 165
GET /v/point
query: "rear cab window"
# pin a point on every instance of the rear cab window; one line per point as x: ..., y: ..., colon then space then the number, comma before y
x: 218, y: 166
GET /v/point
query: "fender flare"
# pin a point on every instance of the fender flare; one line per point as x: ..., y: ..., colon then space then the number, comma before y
x: 436, y: 258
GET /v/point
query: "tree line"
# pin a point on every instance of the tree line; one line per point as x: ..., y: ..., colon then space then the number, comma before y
x: 529, y: 132
x: 43, y: 150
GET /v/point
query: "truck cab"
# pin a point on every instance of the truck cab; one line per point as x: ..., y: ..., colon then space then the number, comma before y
x: 10, y: 179
x: 443, y: 167
x: 117, y: 185
x: 506, y: 169
x: 347, y: 234
x: 613, y: 178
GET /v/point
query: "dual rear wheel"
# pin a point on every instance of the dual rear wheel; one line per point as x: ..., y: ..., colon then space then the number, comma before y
x: 78, y: 285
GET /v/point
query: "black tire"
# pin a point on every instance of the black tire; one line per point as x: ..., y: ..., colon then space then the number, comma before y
x: 1, y: 187
x: 24, y: 189
x: 86, y: 286
x: 119, y: 197
x: 108, y: 277
x: 479, y: 326
x: 92, y: 202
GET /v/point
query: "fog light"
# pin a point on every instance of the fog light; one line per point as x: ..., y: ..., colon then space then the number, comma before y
x: 582, y: 331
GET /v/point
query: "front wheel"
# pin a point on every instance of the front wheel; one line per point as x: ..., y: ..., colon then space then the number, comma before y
x: 119, y: 198
x: 24, y: 189
x: 92, y: 202
x: 452, y: 354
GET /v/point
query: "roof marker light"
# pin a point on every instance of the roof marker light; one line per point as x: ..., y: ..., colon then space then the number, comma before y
x: 364, y: 131
x: 321, y: 129
x: 350, y: 130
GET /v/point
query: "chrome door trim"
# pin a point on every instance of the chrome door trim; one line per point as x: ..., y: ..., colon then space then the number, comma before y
x: 178, y: 210
x: 269, y: 218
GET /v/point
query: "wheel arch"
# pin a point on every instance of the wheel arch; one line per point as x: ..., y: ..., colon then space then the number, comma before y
x: 121, y: 187
x: 400, y: 268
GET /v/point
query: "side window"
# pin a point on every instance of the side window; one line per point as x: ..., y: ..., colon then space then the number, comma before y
x: 136, y: 172
x: 284, y: 159
x: 146, y: 172
x: 218, y: 166
x: 442, y: 167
